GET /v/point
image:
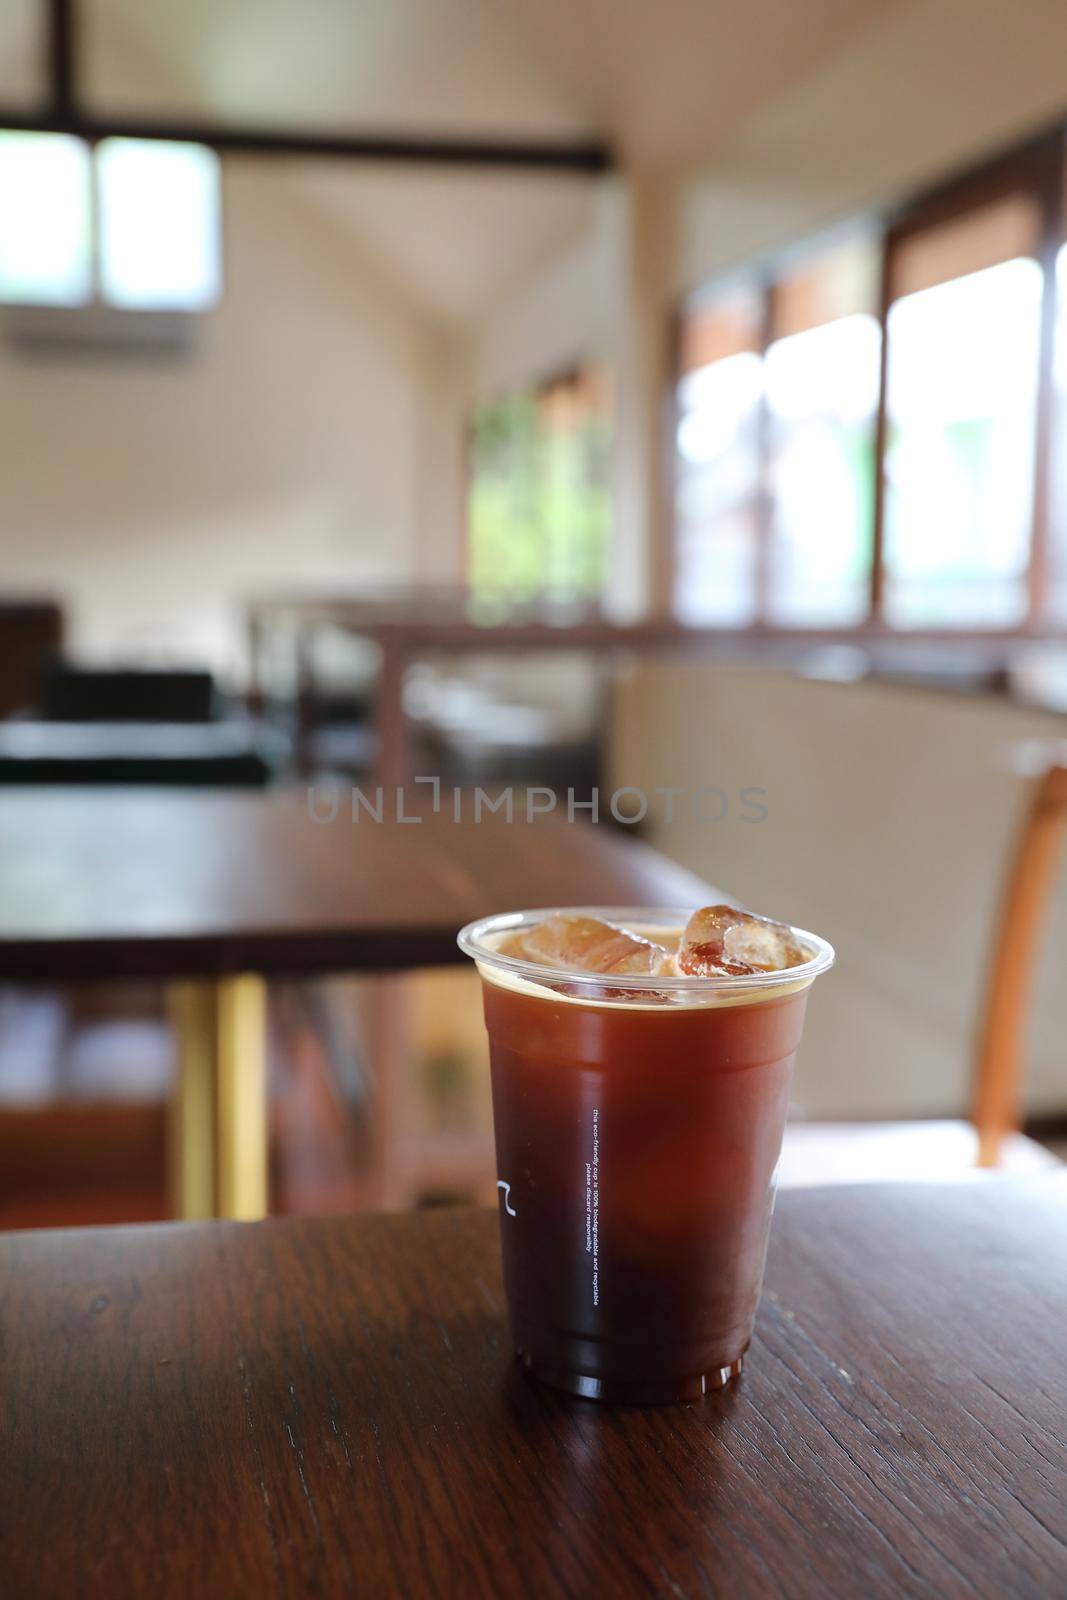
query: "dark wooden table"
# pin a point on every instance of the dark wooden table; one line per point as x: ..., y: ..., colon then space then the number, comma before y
x: 220, y: 891
x: 154, y: 883
x: 320, y: 1408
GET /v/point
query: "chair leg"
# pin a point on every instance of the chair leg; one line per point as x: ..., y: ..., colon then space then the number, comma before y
x: 995, y: 1110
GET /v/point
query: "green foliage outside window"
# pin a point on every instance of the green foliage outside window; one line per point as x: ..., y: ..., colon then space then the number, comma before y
x: 540, y: 497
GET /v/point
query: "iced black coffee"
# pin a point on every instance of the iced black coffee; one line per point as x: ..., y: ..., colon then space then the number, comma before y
x: 641, y: 1068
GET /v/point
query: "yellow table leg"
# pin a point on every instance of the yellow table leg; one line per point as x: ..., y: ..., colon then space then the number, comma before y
x: 191, y: 1134
x: 218, y: 1128
x: 241, y: 1107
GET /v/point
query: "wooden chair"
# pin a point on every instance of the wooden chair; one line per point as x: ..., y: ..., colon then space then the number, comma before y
x: 871, y: 1152
x: 996, y: 1108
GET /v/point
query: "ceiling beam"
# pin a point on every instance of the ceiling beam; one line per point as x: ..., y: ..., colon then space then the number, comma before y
x: 62, y: 51
x: 65, y: 114
x: 587, y: 156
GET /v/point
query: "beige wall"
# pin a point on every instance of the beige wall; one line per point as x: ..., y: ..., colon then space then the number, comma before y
x: 153, y: 495
x: 890, y: 812
x: 569, y: 310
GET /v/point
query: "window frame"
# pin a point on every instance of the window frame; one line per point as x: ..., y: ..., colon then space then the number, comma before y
x: 1036, y: 170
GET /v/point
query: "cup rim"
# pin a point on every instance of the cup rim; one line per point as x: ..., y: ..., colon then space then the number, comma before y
x: 471, y: 941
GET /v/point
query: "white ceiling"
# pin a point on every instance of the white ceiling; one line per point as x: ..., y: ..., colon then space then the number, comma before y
x: 454, y: 241
x: 19, y: 51
x: 390, y: 64
x: 662, y: 80
x: 665, y: 79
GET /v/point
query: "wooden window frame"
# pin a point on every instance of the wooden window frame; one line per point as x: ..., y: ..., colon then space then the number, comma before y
x: 1038, y: 170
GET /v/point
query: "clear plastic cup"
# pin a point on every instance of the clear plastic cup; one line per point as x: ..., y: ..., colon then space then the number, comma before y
x: 638, y: 1124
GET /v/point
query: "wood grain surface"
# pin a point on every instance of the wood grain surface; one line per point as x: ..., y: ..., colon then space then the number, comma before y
x: 331, y: 1408
x: 158, y: 883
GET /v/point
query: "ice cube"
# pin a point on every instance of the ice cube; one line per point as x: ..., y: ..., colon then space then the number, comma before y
x: 727, y: 940
x: 583, y: 944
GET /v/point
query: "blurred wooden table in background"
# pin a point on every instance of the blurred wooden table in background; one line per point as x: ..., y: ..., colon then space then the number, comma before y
x: 218, y: 892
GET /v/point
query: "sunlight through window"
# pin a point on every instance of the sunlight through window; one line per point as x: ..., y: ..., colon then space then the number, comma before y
x: 154, y: 206
x: 1057, y: 573
x: 720, y: 396
x: 718, y: 479
x: 45, y: 224
x: 822, y: 395
x: 959, y: 466
x: 159, y: 244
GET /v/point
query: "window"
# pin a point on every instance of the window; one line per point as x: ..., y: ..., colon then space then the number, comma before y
x: 45, y: 225
x: 540, y: 493
x: 134, y: 223
x: 961, y: 396
x: 1057, y: 565
x: 719, y: 455
x: 825, y: 482
x: 159, y: 225
x: 821, y: 377
x: 776, y: 415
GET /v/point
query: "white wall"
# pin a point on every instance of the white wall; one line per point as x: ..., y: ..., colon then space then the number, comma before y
x: 568, y: 311
x: 890, y: 814
x: 153, y: 496
x: 439, y: 463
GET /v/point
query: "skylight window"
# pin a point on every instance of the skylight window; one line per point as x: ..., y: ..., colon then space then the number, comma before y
x: 133, y: 224
x: 45, y: 219
x: 159, y: 225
